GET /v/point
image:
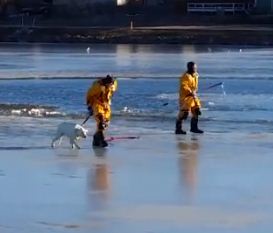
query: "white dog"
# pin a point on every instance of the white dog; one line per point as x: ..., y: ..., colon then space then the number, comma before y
x: 73, y: 131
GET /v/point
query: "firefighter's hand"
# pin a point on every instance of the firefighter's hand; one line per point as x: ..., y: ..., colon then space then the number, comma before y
x: 198, y: 112
x: 90, y: 110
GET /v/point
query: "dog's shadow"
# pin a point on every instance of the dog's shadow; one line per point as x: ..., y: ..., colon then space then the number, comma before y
x: 67, y: 153
x: 71, y: 153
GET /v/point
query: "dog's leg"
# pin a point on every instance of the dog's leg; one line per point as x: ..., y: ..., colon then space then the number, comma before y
x: 60, y: 140
x: 74, y: 143
x: 57, y: 137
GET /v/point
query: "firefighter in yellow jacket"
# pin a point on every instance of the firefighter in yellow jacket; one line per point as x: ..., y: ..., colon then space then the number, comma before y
x: 188, y: 100
x: 98, y: 100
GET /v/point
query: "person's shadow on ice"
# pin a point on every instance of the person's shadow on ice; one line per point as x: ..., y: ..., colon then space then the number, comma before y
x: 99, y: 180
x: 188, y: 165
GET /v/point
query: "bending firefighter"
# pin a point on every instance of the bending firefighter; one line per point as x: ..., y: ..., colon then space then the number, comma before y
x: 188, y: 100
x: 98, y: 100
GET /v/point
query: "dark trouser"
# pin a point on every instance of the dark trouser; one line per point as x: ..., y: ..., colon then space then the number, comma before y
x: 98, y: 138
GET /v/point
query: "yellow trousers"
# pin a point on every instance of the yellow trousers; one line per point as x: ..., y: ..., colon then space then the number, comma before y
x: 189, y: 104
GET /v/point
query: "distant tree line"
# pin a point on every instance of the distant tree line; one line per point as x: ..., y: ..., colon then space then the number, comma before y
x: 13, y: 7
x: 74, y: 8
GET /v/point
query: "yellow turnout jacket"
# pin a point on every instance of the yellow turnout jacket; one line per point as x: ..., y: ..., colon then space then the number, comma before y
x: 188, y: 86
x: 99, y: 99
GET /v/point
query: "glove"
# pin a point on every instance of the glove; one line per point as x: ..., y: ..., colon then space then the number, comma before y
x: 198, y: 112
x: 103, y: 125
x: 90, y: 110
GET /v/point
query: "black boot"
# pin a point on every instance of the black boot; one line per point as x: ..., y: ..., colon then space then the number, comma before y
x: 103, y: 143
x: 178, y: 128
x: 194, y: 126
x: 98, y: 140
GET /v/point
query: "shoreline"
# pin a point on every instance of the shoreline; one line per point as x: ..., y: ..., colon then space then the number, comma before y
x: 199, y: 35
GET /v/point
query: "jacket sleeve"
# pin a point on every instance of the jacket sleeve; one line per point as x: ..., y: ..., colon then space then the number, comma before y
x: 92, y: 94
x: 115, y: 86
x: 185, y: 87
x: 197, y: 82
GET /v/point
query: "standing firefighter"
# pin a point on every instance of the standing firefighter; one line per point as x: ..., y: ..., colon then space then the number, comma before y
x: 188, y: 100
x: 98, y: 100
